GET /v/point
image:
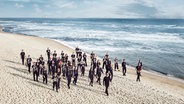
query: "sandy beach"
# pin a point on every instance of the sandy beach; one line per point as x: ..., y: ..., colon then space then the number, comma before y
x: 17, y: 85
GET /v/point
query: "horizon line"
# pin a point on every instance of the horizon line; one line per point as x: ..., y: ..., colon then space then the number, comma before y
x: 83, y: 18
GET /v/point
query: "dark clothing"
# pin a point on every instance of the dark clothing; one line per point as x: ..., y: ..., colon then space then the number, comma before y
x: 138, y: 77
x: 35, y: 73
x: 41, y: 59
x: 59, y: 79
x: 77, y: 50
x: 35, y: 76
x: 69, y: 77
x: 106, y: 56
x: 49, y: 62
x: 66, y: 58
x: 106, y: 81
x: 55, y: 82
x: 94, y: 65
x: 139, y: 68
x: 64, y: 70
x: 62, y: 56
x: 48, y: 53
x: 55, y: 85
x: 80, y: 54
x: 75, y: 76
x: 124, y: 68
x: 53, y: 68
x: 91, y: 77
x: 73, y: 56
x: 104, y: 63
x: 82, y: 70
x: 108, y: 65
x: 92, y: 55
x: 22, y: 54
x: 41, y: 70
x: 45, y: 76
x: 116, y: 66
x: 29, y: 64
x: 99, y: 72
x: 38, y: 68
x: 54, y: 54
x: 85, y: 59
x: 73, y: 59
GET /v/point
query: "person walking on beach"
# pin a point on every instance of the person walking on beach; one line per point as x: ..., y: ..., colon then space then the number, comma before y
x: 106, y: 81
x: 53, y: 68
x: 48, y: 53
x: 62, y: 56
x: 44, y: 75
x: 49, y: 63
x: 94, y: 64
x: 41, y: 69
x: 22, y: 55
x: 75, y: 75
x: 85, y: 58
x: 124, y: 67
x: 29, y: 63
x: 64, y: 70
x: 73, y: 59
x: 139, y: 68
x: 91, y: 76
x: 92, y: 55
x: 58, y: 64
x: 82, y: 68
x: 116, y: 64
x: 99, y: 72
x: 55, y: 82
x: 70, y: 73
x: 35, y: 72
x: 108, y: 65
x: 77, y: 51
x: 104, y: 62
x: 38, y: 67
x: 59, y: 76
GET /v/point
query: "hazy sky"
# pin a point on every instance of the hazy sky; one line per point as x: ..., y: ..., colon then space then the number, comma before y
x: 93, y: 8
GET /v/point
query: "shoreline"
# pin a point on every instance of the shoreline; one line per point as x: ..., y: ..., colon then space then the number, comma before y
x: 132, y: 66
x: 157, y: 73
x: 19, y: 87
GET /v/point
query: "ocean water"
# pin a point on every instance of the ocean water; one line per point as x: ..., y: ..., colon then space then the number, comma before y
x: 158, y: 43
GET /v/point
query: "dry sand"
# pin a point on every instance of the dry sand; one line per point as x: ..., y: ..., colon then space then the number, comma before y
x: 17, y: 85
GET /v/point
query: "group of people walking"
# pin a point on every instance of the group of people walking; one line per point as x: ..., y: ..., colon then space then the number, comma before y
x: 60, y: 65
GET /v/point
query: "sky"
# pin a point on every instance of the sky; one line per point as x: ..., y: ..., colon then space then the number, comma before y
x: 92, y: 8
